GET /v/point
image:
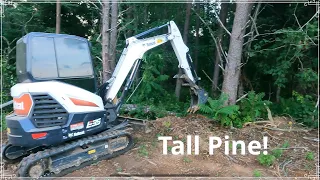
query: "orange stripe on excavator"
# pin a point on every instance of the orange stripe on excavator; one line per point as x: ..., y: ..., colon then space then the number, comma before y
x: 80, y: 102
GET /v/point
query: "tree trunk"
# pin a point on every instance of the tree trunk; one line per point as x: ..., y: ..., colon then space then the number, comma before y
x: 232, y: 68
x: 106, y: 74
x: 278, y: 94
x: 196, y: 53
x: 113, y: 34
x: 58, y: 17
x: 218, y: 58
x: 185, y: 39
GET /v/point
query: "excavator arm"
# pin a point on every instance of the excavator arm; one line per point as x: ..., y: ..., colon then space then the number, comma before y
x: 130, y: 59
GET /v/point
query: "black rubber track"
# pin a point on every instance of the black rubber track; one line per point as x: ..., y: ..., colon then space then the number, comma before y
x: 25, y: 164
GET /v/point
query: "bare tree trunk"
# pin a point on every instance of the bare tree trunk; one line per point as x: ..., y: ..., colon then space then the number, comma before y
x: 218, y: 58
x: 232, y: 69
x: 278, y: 94
x: 58, y: 16
x: 106, y: 74
x: 185, y: 39
x: 113, y: 34
x: 196, y: 53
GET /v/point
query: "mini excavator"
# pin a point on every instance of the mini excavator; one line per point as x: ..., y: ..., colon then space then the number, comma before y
x: 61, y: 120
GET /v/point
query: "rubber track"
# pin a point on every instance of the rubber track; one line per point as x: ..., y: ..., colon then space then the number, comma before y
x: 24, y: 165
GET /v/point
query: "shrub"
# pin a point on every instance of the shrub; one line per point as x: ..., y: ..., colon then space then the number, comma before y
x: 300, y: 107
x: 216, y: 110
x: 253, y: 106
x: 266, y: 160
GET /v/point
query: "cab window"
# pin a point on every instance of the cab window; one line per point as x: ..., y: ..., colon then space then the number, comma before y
x: 43, y: 58
x: 73, y: 57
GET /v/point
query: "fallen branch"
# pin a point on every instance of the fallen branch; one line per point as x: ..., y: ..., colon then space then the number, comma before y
x: 151, y: 162
x: 146, y: 109
x: 256, y: 122
x: 232, y: 159
x: 284, y: 130
x: 305, y: 148
x: 311, y: 139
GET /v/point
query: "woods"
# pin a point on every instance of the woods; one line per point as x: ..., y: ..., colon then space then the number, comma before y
x: 246, y: 54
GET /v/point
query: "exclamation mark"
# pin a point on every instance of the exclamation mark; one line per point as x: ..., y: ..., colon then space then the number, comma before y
x: 265, y: 146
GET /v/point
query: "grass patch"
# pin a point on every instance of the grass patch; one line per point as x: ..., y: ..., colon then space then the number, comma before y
x: 257, y: 173
x: 266, y: 160
x: 143, y: 152
x: 186, y: 160
x: 310, y: 156
x: 277, y: 153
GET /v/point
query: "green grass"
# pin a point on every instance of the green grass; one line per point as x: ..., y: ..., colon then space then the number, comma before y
x: 277, y: 153
x: 3, y: 121
x: 266, y: 160
x: 119, y: 169
x: 186, y: 160
x: 285, y: 144
x: 257, y: 173
x: 310, y: 156
x: 143, y: 152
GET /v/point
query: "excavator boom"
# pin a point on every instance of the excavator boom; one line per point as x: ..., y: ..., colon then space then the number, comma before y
x: 131, y: 56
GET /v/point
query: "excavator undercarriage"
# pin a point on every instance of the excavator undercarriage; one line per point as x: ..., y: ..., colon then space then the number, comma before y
x: 63, y: 159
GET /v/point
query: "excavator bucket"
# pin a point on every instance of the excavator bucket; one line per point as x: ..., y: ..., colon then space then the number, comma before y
x: 198, y: 96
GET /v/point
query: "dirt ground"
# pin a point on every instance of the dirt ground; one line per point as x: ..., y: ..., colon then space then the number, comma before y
x: 146, y: 158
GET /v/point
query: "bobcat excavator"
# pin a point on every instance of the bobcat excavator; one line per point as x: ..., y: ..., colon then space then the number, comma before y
x: 61, y: 122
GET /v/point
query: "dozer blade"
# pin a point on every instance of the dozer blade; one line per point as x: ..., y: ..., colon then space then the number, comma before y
x: 198, y: 96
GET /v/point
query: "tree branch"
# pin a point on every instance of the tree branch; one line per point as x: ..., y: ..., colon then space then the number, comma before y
x: 221, y: 24
x: 315, y: 15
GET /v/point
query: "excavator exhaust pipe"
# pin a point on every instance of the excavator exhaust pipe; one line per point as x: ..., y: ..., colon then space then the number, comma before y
x: 198, y: 96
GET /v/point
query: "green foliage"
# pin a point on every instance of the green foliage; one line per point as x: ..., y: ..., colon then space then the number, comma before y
x: 266, y: 160
x: 248, y: 110
x: 257, y: 173
x: 166, y: 124
x: 254, y: 106
x: 143, y: 152
x: 277, y: 153
x: 300, y: 107
x: 310, y: 156
x: 151, y: 87
x: 216, y: 110
x: 186, y: 160
x: 119, y: 169
x: 285, y: 144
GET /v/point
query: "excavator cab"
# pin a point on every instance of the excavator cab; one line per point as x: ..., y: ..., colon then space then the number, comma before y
x: 48, y: 56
